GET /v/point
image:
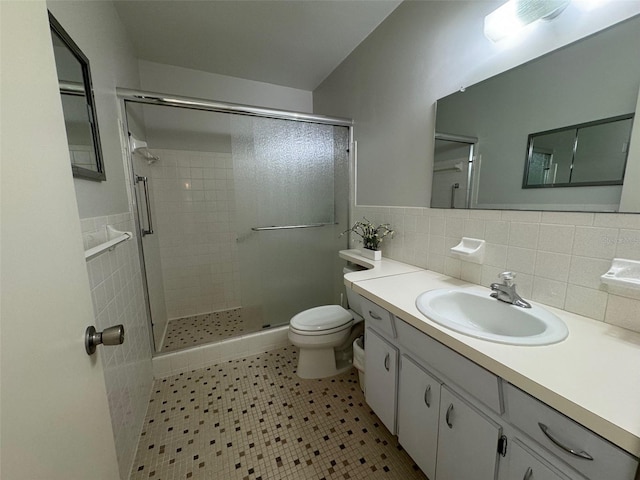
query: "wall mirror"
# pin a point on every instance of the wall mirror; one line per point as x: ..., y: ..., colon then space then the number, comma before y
x: 587, y: 89
x: 78, y: 105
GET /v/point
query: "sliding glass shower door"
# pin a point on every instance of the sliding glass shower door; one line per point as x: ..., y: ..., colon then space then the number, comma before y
x: 247, y: 214
x: 291, y: 195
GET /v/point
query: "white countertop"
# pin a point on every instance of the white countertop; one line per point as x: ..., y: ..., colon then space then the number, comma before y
x: 592, y: 377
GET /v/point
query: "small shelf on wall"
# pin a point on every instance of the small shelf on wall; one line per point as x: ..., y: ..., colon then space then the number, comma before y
x: 470, y: 250
x: 113, y: 238
x: 623, y: 273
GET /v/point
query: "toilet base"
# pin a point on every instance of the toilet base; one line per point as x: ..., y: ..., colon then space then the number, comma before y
x: 320, y: 363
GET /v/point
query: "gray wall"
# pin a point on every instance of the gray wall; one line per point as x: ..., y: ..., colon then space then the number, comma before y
x: 424, y: 51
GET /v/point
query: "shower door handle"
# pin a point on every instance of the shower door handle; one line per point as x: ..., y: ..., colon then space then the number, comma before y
x: 144, y: 180
x: 454, y: 187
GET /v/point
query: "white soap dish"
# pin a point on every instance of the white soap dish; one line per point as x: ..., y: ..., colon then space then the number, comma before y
x: 623, y: 273
x: 470, y: 250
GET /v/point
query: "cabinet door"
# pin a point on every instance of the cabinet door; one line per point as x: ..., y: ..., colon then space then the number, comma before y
x: 381, y: 374
x: 523, y: 465
x: 418, y: 411
x: 467, y: 441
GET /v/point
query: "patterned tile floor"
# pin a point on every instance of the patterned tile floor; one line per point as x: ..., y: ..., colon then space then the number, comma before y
x: 206, y: 328
x: 254, y: 419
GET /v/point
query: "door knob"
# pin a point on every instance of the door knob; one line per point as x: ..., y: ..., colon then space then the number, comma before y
x: 110, y: 336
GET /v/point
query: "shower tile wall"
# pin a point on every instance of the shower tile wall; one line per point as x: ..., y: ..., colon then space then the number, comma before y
x: 558, y: 256
x: 116, y: 288
x: 193, y: 195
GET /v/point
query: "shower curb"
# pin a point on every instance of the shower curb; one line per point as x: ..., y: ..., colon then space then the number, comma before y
x: 167, y: 364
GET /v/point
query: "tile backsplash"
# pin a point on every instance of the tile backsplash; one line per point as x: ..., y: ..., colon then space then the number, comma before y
x: 558, y: 257
x: 116, y: 289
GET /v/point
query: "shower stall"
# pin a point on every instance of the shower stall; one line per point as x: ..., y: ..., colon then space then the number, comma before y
x: 239, y: 210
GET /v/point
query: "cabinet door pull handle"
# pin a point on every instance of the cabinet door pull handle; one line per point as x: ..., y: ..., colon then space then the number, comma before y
x: 427, y: 396
x: 375, y: 316
x: 577, y: 453
x: 527, y: 474
x: 448, y: 416
x: 386, y: 362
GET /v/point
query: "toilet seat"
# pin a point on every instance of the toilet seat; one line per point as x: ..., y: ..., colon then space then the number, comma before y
x: 322, y: 320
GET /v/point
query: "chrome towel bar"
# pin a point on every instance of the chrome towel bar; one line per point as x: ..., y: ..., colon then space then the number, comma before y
x: 289, y: 227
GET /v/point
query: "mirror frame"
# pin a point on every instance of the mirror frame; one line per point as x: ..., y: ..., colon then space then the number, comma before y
x: 65, y: 88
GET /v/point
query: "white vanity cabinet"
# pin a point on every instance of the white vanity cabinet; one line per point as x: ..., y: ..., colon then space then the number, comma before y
x: 467, y: 441
x: 586, y: 452
x: 381, y: 377
x: 418, y: 414
x: 459, y: 421
x: 526, y: 465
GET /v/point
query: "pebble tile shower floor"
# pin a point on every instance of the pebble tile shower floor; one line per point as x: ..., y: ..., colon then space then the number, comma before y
x: 254, y: 419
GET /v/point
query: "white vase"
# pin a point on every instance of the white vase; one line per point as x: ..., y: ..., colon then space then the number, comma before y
x: 371, y: 254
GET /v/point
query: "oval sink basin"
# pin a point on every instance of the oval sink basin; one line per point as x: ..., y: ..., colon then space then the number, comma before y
x: 478, y: 315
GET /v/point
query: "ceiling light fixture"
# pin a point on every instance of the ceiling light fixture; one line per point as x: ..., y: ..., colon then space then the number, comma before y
x: 514, y: 15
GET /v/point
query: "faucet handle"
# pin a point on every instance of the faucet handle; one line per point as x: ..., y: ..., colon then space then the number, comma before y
x: 507, y: 277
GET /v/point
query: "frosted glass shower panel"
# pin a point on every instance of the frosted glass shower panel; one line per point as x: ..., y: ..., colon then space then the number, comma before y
x: 290, y: 172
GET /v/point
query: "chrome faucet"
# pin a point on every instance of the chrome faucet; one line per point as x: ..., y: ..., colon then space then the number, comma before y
x: 506, y: 291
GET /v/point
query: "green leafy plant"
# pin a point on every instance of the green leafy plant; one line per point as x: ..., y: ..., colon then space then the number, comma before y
x: 371, y: 235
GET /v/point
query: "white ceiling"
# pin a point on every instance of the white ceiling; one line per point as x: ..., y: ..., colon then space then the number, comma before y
x: 295, y: 43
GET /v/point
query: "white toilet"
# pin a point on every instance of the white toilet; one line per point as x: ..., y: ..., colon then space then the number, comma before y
x: 325, y: 337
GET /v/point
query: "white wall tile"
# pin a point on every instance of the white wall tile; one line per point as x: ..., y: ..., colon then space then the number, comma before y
x: 116, y: 285
x: 554, y: 266
x: 617, y: 220
x: 623, y: 312
x: 628, y: 245
x: 568, y: 218
x: 195, y: 224
x: 474, y: 228
x: 524, y: 235
x: 549, y: 292
x: 558, y: 256
x: 490, y: 275
x: 586, y: 301
x: 495, y: 255
x: 595, y: 242
x: 454, y: 227
x: 586, y: 272
x: 471, y: 272
x: 521, y: 216
x: 497, y: 232
x: 556, y: 238
x: 521, y: 260
x: 452, y: 267
x: 436, y: 226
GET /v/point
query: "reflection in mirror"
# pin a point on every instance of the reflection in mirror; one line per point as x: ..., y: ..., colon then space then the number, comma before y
x: 453, y: 161
x: 590, y: 154
x: 595, y: 78
x: 74, y: 78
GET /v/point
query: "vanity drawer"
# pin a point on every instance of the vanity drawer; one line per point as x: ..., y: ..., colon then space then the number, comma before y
x: 378, y: 318
x: 532, y: 416
x: 441, y: 360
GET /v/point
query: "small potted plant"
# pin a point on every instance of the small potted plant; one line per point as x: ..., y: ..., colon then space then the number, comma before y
x: 372, y: 237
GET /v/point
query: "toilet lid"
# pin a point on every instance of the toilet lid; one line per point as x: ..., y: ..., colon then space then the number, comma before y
x: 321, y: 318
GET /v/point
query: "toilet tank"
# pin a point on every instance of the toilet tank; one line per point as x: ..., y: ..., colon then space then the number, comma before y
x: 352, y: 297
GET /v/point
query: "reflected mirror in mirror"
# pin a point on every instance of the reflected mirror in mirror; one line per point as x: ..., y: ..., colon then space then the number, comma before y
x: 566, y: 93
x: 590, y: 154
x: 78, y: 105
